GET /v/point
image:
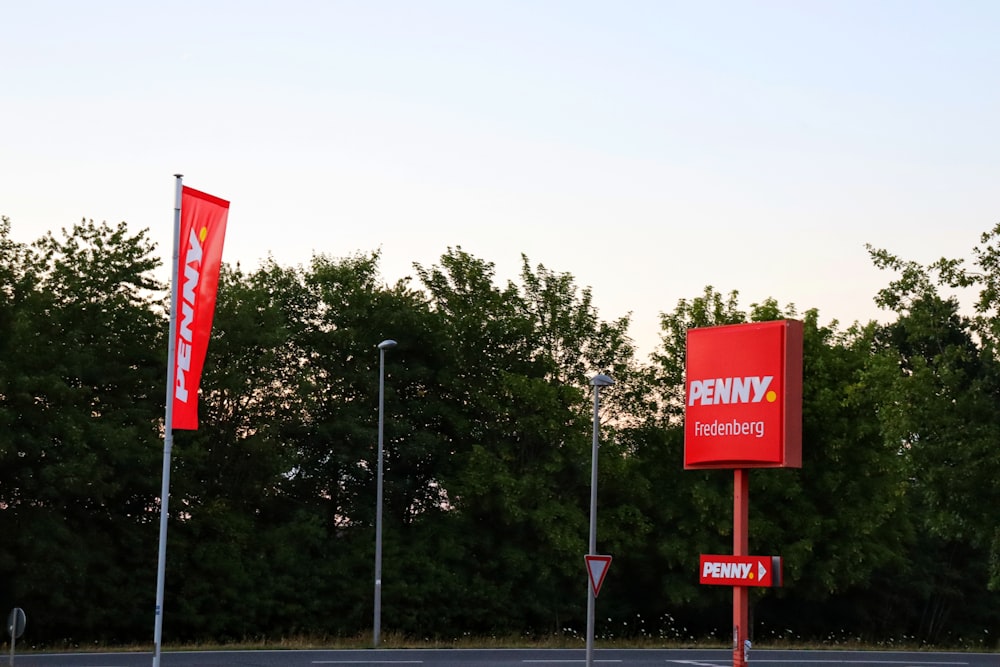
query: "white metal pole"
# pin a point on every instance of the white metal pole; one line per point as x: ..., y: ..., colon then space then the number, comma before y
x: 598, y: 381
x: 377, y: 624
x: 168, y: 433
x: 592, y: 548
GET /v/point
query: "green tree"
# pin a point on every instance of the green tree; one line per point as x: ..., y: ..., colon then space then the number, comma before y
x: 937, y: 375
x: 835, y: 521
x: 15, y: 291
x: 82, y: 397
x: 338, y: 464
x: 228, y: 504
x: 519, y: 434
x: 283, y: 466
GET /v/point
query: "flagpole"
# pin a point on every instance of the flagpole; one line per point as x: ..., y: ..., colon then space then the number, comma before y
x: 168, y: 431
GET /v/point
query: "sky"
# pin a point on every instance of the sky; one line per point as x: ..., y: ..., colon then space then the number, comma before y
x: 647, y: 148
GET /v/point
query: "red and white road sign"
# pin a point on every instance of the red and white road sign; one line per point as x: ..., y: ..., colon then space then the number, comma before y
x: 597, y: 568
x: 740, y: 570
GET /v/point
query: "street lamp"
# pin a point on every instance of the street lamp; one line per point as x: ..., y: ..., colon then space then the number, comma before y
x: 382, y: 347
x: 596, y: 382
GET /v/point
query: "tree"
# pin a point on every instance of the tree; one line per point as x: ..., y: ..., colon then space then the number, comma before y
x: 82, y: 397
x: 835, y: 521
x: 519, y: 433
x: 15, y: 290
x: 937, y: 375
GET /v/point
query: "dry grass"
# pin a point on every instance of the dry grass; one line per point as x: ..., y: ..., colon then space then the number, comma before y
x: 567, y: 639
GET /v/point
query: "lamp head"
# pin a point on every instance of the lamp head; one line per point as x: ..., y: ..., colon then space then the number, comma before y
x: 386, y: 344
x: 601, y: 380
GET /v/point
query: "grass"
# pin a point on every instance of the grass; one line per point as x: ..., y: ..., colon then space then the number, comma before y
x: 566, y: 639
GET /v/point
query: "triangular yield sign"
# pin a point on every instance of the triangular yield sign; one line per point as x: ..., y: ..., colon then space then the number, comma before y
x: 597, y: 568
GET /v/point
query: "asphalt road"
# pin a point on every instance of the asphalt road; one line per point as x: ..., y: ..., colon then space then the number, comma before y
x: 507, y: 658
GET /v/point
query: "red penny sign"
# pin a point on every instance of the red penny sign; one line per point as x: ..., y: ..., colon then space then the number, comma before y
x: 743, y: 398
x: 740, y: 570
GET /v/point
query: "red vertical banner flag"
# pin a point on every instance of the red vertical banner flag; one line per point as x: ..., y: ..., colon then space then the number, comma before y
x: 202, y: 232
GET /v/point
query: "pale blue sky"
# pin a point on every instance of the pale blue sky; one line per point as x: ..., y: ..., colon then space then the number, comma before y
x: 647, y: 148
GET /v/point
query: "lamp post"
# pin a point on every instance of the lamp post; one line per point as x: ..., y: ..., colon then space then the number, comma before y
x: 377, y: 627
x: 597, y: 382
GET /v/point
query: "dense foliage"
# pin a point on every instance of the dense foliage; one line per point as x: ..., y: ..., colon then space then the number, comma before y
x: 889, y: 530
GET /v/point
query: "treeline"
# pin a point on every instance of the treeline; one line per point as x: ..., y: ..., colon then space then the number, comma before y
x: 889, y: 530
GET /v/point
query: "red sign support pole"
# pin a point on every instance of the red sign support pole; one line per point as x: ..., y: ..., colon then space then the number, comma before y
x: 741, y: 547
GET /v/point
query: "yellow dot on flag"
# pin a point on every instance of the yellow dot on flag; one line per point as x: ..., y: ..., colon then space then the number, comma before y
x: 771, y: 397
x: 751, y: 574
x: 204, y: 232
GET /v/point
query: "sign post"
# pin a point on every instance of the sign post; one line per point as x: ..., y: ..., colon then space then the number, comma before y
x: 597, y: 382
x: 15, y: 628
x: 741, y: 547
x: 743, y: 410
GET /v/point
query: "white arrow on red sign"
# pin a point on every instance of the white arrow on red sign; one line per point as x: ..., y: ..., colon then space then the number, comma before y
x: 597, y: 568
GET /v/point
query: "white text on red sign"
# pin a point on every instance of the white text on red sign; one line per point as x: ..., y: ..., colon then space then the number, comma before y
x: 727, y: 391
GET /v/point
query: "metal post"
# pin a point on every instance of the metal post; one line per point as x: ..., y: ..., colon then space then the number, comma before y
x: 741, y: 547
x: 598, y: 381
x: 377, y: 625
x: 168, y: 433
